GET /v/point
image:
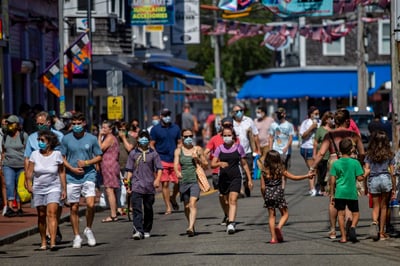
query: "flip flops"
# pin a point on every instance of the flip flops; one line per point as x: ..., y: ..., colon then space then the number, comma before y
x: 110, y: 219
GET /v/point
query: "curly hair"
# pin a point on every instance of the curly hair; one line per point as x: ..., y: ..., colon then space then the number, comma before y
x: 379, y: 147
x: 51, y: 138
x: 274, y: 167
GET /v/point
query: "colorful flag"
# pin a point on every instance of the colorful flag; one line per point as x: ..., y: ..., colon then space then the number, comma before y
x: 75, y: 57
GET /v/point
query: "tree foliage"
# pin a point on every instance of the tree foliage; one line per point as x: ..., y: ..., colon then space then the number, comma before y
x: 237, y: 58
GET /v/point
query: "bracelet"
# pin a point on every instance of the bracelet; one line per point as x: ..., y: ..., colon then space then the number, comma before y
x: 86, y: 163
x: 312, y: 168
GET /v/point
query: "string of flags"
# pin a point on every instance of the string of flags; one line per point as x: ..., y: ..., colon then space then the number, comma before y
x: 76, y: 56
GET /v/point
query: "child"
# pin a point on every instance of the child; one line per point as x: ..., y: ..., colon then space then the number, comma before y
x: 143, y: 170
x: 272, y: 172
x: 344, y: 173
x: 379, y: 167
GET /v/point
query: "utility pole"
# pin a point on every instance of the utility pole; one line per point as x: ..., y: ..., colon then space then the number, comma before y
x: 361, y: 61
x: 61, y: 53
x: 395, y: 60
x: 90, y: 67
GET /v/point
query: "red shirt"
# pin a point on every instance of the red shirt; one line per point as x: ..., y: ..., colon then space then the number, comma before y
x: 212, y: 145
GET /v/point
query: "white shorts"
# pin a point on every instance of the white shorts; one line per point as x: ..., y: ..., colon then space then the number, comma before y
x: 45, y: 199
x: 86, y: 189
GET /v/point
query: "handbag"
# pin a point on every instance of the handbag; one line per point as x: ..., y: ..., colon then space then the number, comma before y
x: 202, y: 179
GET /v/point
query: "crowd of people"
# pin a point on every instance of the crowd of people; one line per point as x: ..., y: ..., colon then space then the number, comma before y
x: 63, y: 161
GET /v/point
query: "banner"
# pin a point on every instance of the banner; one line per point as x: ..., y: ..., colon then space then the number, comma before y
x: 75, y: 57
x: 187, y: 22
x: 152, y: 12
x: 297, y: 8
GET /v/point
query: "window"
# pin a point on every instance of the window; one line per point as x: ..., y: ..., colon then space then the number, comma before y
x: 83, y: 5
x: 384, y: 37
x: 335, y: 48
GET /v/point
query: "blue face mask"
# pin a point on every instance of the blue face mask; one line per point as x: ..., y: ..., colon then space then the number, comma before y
x: 77, y: 128
x: 167, y: 119
x: 42, y: 127
x: 188, y: 141
x: 42, y: 145
x: 155, y: 122
x: 143, y: 141
x: 239, y: 114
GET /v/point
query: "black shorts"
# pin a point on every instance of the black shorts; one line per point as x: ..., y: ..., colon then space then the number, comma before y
x: 340, y: 205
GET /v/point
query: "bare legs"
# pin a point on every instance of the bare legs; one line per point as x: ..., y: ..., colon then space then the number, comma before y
x: 49, y: 212
x: 112, y: 201
x: 379, y: 209
x: 272, y: 220
x: 167, y: 196
x: 191, y: 212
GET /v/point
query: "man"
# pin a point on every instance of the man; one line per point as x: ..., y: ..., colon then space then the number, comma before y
x: 81, y: 153
x: 263, y: 123
x: 247, y: 133
x: 189, y: 120
x: 164, y: 139
x: 43, y: 122
x: 155, y: 120
x: 281, y: 136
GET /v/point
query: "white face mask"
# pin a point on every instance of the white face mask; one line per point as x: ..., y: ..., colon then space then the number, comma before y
x: 259, y: 115
x: 228, y: 140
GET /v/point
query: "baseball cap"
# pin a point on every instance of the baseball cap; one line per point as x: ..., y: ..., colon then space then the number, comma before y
x: 280, y: 110
x: 67, y: 115
x: 144, y: 132
x: 13, y: 119
x: 227, y: 119
x: 165, y: 112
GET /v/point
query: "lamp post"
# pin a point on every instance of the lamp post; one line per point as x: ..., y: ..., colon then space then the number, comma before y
x: 90, y: 67
x: 61, y: 53
x: 395, y: 61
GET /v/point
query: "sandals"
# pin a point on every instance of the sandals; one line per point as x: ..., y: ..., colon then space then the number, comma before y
x: 279, y: 235
x: 332, y: 234
x: 43, y: 248
x: 174, y: 205
x: 110, y: 219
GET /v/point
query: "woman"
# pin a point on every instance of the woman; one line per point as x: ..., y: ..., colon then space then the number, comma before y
x: 134, y: 130
x: 3, y: 131
x: 229, y: 157
x: 47, y: 170
x: 307, y: 132
x: 330, y: 144
x: 186, y: 158
x: 110, y: 167
x: 13, y: 162
x: 327, y: 124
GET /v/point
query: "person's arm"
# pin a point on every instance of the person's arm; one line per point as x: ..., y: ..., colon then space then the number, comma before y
x: 257, y: 144
x: 28, y: 176
x: 195, y: 124
x: 307, y: 133
x: 177, y: 155
x: 63, y: 179
x: 157, y: 180
x: 297, y: 177
x: 332, y: 185
x: 128, y: 177
x: 106, y: 143
x: 153, y: 144
x: 243, y: 162
x: 290, y: 140
x: 320, y: 154
x: 262, y: 186
x: 127, y: 145
x: 393, y: 176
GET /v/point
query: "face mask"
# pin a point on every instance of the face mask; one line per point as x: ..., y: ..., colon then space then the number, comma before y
x: 155, y: 122
x: 77, y: 128
x: 188, y: 141
x: 143, y: 141
x: 4, y: 129
x: 228, y: 140
x: 280, y: 116
x: 239, y: 114
x: 42, y: 127
x: 316, y: 117
x: 42, y: 145
x: 167, y: 119
x: 259, y: 115
x: 11, y: 129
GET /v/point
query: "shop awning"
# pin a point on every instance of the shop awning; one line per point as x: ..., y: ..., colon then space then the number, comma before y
x: 190, y: 78
x: 315, y: 82
x: 195, y: 89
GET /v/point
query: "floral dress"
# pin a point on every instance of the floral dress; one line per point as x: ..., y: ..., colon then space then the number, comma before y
x: 274, y: 193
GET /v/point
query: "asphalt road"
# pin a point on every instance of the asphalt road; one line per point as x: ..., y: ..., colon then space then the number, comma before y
x: 306, y: 241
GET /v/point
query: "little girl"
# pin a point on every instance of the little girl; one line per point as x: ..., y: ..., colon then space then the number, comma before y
x: 379, y: 167
x: 272, y: 173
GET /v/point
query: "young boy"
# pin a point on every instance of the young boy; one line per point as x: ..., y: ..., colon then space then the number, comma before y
x: 143, y: 172
x: 344, y: 173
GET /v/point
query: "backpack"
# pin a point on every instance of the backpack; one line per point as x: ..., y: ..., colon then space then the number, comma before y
x: 21, y: 137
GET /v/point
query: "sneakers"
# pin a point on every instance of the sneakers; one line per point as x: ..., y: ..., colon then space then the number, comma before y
x: 20, y: 212
x: 137, y: 235
x: 10, y: 213
x: 230, y: 229
x: 77, y: 242
x: 4, y: 210
x: 352, y: 235
x: 90, y: 237
x: 224, y: 221
x: 312, y: 192
x: 374, y: 231
x: 146, y: 235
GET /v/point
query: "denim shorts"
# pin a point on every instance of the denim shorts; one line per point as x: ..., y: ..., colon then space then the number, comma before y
x: 379, y: 184
x: 307, y: 154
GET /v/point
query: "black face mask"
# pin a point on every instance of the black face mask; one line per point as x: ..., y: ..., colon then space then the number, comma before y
x: 280, y: 116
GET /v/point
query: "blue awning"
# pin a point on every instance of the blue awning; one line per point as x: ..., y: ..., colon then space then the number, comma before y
x: 191, y: 78
x: 311, y: 82
x: 382, y: 74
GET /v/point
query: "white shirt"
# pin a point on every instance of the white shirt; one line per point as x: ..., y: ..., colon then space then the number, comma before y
x: 45, y: 172
x: 281, y: 134
x: 242, y: 128
x: 308, y: 142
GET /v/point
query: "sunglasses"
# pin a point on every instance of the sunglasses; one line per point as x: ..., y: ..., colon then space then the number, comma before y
x: 40, y: 124
x: 237, y: 111
x: 41, y: 139
x: 227, y: 135
x: 188, y: 136
x: 76, y: 124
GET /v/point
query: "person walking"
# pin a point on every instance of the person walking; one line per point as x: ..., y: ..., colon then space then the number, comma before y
x: 343, y: 193
x: 263, y: 124
x: 230, y: 157
x: 143, y: 172
x: 109, y: 167
x: 330, y: 144
x: 247, y: 133
x: 307, y: 132
x: 81, y: 152
x: 43, y: 122
x: 379, y: 168
x: 165, y: 137
x: 46, y: 170
x: 185, y: 160
x: 13, y: 162
x: 273, y: 171
x: 3, y: 131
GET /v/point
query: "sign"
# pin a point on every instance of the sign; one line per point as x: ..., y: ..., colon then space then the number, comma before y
x: 152, y: 12
x: 187, y: 22
x: 154, y: 28
x: 114, y: 82
x: 311, y: 8
x: 115, y: 107
x: 218, y: 106
x: 82, y: 25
